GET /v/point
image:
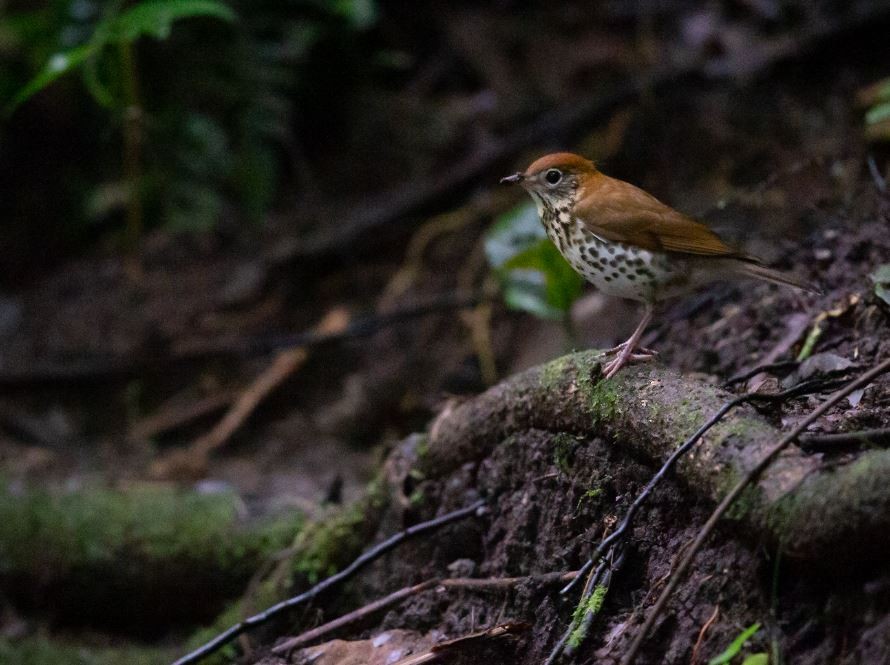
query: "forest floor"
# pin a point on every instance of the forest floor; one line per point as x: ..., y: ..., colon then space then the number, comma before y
x: 110, y: 381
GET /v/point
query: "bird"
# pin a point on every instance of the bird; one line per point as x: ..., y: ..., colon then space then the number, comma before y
x: 629, y: 244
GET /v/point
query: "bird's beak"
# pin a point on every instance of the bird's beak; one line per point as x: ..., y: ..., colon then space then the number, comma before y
x: 510, y: 179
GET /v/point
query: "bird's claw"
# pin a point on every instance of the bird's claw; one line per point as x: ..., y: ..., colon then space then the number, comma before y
x: 639, y: 351
x: 616, y: 364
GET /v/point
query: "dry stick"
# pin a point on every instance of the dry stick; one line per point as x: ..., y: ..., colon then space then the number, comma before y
x: 754, y: 371
x: 97, y: 367
x: 402, y: 594
x: 866, y: 437
x: 194, y: 457
x: 174, y: 415
x: 580, y: 631
x: 566, y: 636
x: 734, y: 493
x: 364, y: 559
x: 441, y: 652
x: 693, y: 660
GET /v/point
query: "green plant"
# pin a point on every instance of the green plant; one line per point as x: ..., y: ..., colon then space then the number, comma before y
x: 118, y: 30
x: 222, y: 110
x: 876, y: 98
x: 533, y: 275
x: 735, y: 646
x: 881, y: 280
x: 110, y: 50
x: 564, y: 446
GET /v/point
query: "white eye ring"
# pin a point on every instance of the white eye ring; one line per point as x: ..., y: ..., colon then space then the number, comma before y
x: 553, y: 176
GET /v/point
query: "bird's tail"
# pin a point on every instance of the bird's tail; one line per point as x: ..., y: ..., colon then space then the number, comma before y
x: 759, y: 271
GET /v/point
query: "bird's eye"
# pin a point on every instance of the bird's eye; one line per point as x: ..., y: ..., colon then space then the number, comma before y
x: 553, y: 176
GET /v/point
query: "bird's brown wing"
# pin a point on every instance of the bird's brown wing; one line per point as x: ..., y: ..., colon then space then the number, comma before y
x: 616, y: 210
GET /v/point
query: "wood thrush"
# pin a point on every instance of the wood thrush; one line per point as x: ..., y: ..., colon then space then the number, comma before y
x: 628, y: 243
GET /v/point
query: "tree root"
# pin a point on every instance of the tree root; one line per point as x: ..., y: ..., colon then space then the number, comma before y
x: 814, y: 514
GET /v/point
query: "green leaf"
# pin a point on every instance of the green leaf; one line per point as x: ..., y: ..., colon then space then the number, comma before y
x: 881, y: 279
x: 883, y: 90
x: 155, y: 18
x: 878, y: 113
x: 761, y: 658
x: 733, y: 649
x: 362, y: 14
x: 562, y: 284
x: 534, y: 276
x: 512, y: 233
x: 57, y: 66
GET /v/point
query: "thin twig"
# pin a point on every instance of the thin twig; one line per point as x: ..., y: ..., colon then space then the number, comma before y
x: 564, y: 643
x: 175, y: 414
x: 876, y: 176
x: 372, y: 554
x: 407, y: 592
x: 754, y: 371
x: 734, y: 493
x: 102, y: 367
x: 194, y: 458
x: 866, y: 437
x: 604, y: 581
x: 693, y: 660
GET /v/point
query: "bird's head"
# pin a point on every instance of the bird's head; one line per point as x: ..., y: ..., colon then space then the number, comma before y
x: 554, y: 178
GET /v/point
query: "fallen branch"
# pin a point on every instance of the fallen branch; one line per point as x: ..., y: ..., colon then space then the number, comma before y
x: 471, y: 642
x: 194, y: 459
x: 173, y: 415
x: 104, y: 367
x: 734, y: 493
x: 407, y: 592
x: 371, y: 555
x: 828, y: 442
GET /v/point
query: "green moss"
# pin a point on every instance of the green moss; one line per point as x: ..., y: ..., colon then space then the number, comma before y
x: 564, y: 446
x: 589, y: 495
x: 423, y: 447
x: 749, y: 502
x: 39, y: 650
x: 553, y: 373
x: 319, y: 550
x: 601, y: 397
x: 603, y: 400
x: 417, y: 497
x: 42, y: 532
x: 325, y: 546
x: 591, y: 605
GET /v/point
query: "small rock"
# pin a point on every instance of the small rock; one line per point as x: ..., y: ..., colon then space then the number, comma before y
x: 462, y: 568
x: 244, y: 286
x: 10, y: 316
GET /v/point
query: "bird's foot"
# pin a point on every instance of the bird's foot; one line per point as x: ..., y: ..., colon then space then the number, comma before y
x: 627, y: 357
x: 641, y: 351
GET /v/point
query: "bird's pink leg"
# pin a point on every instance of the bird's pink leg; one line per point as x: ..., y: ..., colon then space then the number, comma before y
x: 625, y: 351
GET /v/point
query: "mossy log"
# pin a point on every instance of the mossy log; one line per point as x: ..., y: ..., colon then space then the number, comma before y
x: 813, y: 513
x: 138, y: 561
